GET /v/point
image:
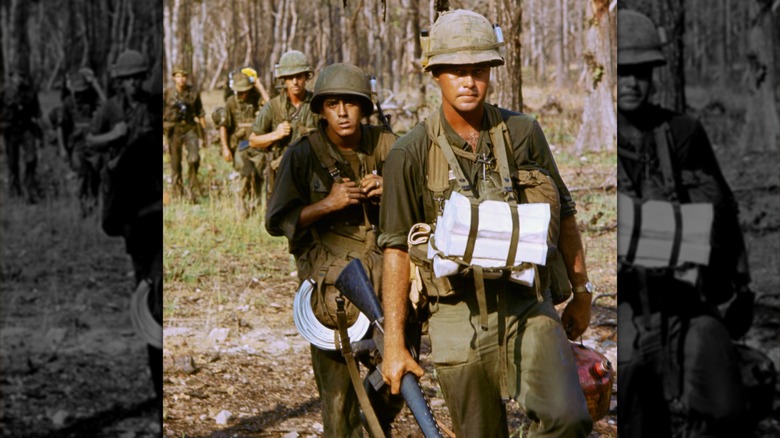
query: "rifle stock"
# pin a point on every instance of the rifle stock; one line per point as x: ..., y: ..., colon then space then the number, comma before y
x: 356, y: 287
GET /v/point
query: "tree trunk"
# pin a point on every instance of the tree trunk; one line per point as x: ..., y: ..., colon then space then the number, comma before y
x: 599, y: 122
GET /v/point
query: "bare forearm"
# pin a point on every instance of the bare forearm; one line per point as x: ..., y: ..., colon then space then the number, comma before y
x: 572, y: 250
x: 314, y: 212
x: 263, y: 141
x: 223, y: 136
x: 395, y: 294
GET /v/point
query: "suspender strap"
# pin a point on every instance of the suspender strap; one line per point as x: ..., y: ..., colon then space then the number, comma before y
x: 465, y: 186
x: 473, y: 229
x: 325, y: 157
x: 479, y: 286
x: 498, y: 133
x: 635, y: 230
x: 678, y: 225
x: 662, y: 136
x: 374, y: 428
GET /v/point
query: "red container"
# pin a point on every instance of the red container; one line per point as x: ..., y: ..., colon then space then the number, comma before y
x: 596, y: 377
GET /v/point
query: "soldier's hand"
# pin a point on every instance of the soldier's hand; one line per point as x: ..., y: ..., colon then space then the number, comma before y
x: 345, y: 194
x: 372, y: 185
x: 284, y: 129
x: 120, y: 129
x: 395, y: 364
x: 226, y: 154
x: 576, y: 315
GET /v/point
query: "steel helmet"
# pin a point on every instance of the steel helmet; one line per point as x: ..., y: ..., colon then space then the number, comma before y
x: 339, y: 80
x: 240, y: 82
x: 179, y: 69
x: 462, y: 37
x: 130, y: 62
x: 292, y: 63
x: 638, y: 39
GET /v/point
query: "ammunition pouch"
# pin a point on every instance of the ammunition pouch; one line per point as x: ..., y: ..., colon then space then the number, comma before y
x: 325, y: 260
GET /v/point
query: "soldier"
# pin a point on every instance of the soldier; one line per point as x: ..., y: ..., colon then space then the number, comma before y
x: 257, y: 91
x: 672, y: 344
x: 326, y: 204
x: 81, y: 102
x: 185, y: 120
x: 126, y: 127
x: 286, y: 117
x: 21, y: 114
x: 240, y: 111
x: 491, y: 339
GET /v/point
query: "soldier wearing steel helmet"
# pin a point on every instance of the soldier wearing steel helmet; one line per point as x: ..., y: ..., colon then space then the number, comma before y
x: 672, y: 343
x: 186, y: 122
x: 286, y: 117
x: 326, y: 202
x: 503, y: 340
x: 19, y: 122
x: 83, y: 97
x: 240, y: 112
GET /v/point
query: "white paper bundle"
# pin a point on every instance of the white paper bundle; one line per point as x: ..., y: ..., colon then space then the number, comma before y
x: 656, y: 236
x: 494, y: 234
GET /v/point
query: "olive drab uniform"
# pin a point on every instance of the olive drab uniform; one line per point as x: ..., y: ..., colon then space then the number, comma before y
x: 278, y: 110
x: 250, y: 163
x: 322, y: 251
x: 20, y: 134
x: 180, y: 115
x: 76, y: 122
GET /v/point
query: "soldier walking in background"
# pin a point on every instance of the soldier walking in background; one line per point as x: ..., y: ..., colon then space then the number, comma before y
x: 287, y: 117
x: 240, y: 112
x: 185, y: 122
x: 84, y: 95
x: 673, y: 343
x: 19, y: 123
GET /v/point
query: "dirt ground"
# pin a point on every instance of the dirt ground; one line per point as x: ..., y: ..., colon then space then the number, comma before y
x: 71, y: 364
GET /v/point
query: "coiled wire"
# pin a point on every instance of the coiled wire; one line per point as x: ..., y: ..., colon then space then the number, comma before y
x: 313, y: 330
x: 144, y: 323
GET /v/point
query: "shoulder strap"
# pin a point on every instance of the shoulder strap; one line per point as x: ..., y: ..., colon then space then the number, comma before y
x: 663, y: 142
x: 326, y: 159
x: 433, y: 127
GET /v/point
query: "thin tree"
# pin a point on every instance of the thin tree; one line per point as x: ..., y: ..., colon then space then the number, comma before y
x: 599, y: 125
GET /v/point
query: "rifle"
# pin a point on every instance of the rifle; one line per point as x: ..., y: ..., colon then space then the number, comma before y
x: 353, y: 282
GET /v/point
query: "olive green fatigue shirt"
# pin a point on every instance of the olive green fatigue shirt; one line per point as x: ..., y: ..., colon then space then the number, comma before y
x: 184, y: 121
x: 280, y: 109
x: 240, y: 117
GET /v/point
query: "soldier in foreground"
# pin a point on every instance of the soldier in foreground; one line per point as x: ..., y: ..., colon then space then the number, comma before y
x: 284, y: 119
x: 185, y: 120
x: 672, y: 343
x: 505, y: 340
x: 326, y: 204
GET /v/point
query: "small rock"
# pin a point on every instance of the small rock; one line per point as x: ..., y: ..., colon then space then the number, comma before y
x: 203, y: 417
x: 277, y: 348
x: 59, y: 418
x: 292, y: 434
x: 223, y: 417
x: 318, y: 427
x: 219, y: 334
x: 183, y: 365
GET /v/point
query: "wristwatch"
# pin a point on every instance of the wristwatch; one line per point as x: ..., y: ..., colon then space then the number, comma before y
x: 586, y: 288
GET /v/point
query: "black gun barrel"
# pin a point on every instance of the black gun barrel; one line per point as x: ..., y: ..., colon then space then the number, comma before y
x: 356, y: 287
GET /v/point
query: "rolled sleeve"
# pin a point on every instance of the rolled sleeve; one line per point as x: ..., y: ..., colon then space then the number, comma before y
x: 289, y: 195
x: 263, y: 121
x: 402, y: 204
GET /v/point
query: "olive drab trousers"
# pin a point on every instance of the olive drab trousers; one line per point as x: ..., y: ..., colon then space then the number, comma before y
x: 22, y: 146
x: 699, y: 360
x: 184, y: 138
x: 250, y: 164
x: 340, y: 405
x: 540, y: 371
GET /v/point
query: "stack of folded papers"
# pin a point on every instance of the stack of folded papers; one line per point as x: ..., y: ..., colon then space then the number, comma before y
x: 657, y: 232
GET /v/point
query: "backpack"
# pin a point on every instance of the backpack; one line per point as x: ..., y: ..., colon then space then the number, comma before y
x: 514, y: 184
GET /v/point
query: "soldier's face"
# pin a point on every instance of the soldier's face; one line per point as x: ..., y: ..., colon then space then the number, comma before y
x: 180, y: 80
x: 296, y: 85
x: 633, y: 86
x: 343, y: 115
x: 242, y: 95
x: 463, y: 87
x: 131, y: 85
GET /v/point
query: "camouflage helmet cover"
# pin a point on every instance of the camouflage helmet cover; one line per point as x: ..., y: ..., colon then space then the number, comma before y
x: 76, y: 82
x: 638, y: 39
x: 340, y: 80
x: 292, y: 63
x: 219, y: 116
x: 179, y: 69
x: 462, y: 37
x: 130, y: 62
x: 240, y: 82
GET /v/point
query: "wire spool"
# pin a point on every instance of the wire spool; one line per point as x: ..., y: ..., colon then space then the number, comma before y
x: 144, y: 323
x: 313, y: 330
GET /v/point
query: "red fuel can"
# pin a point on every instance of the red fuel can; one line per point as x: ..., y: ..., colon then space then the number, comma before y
x: 596, y: 377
